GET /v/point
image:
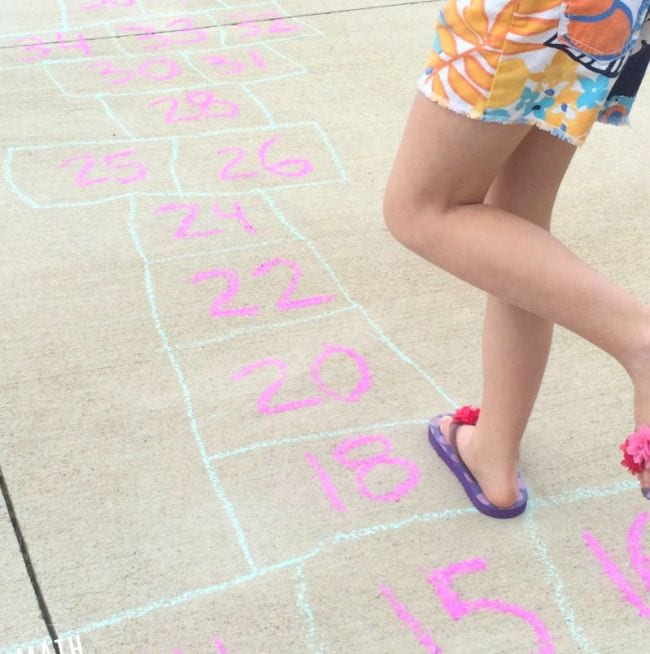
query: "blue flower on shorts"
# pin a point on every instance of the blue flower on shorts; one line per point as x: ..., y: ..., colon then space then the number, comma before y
x: 535, y: 103
x: 497, y: 115
x: 595, y: 92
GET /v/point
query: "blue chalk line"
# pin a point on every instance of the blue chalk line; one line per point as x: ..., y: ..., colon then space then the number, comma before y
x: 302, y: 601
x: 554, y: 580
x: 262, y: 328
x: 214, y: 477
x: 361, y: 429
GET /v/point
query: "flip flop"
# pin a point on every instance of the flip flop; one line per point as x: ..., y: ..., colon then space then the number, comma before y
x: 447, y: 450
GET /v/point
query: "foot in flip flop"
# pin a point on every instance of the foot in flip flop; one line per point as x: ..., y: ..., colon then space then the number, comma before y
x: 492, y: 484
x: 499, y: 483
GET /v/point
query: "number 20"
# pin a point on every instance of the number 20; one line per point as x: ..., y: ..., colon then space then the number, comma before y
x: 263, y: 403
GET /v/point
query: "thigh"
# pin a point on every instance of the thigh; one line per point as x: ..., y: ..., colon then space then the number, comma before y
x: 446, y: 158
x: 528, y: 182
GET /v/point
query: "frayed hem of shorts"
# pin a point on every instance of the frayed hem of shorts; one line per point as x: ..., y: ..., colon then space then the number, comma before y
x: 480, y: 115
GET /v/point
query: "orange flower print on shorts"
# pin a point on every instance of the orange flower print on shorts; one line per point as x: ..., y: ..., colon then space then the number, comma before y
x: 561, y: 65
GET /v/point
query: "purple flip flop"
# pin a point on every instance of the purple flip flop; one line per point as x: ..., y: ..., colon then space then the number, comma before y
x: 450, y: 456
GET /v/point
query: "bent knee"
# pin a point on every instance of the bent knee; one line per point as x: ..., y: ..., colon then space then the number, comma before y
x: 407, y: 215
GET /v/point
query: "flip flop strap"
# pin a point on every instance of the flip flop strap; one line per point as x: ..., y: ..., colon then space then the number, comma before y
x: 453, y: 428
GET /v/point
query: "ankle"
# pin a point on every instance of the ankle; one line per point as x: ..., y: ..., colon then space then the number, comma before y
x: 498, y: 454
x: 637, y: 363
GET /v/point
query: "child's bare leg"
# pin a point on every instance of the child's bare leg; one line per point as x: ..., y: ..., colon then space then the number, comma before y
x: 434, y: 206
x: 516, y: 343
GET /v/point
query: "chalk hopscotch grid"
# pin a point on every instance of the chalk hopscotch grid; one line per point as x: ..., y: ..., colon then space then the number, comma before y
x: 540, y: 547
x: 223, y: 499
x: 548, y: 563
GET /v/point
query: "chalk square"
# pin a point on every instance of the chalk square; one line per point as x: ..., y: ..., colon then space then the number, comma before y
x: 587, y: 553
x: 263, y: 158
x: 209, y: 298
x: 160, y: 35
x: 199, y: 110
x: 261, y: 22
x: 374, y: 596
x: 124, y: 74
x: 244, y: 64
x: 322, y: 375
x: 28, y: 49
x: 325, y: 486
x: 85, y: 173
x: 114, y: 499
x: 170, y: 227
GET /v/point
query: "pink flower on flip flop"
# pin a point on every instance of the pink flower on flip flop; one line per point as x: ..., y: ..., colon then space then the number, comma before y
x: 636, y: 450
x: 466, y: 415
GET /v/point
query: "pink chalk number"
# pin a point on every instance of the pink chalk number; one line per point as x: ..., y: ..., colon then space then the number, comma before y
x: 201, y: 102
x: 441, y: 579
x: 283, y: 168
x: 263, y: 403
x: 458, y: 608
x: 326, y: 482
x: 113, y: 161
x: 640, y: 563
x: 175, y: 33
x: 231, y: 290
x: 159, y: 70
x: 250, y: 25
x: 40, y: 48
x: 362, y: 467
x: 192, y: 212
x: 285, y: 302
x: 409, y: 621
x: 227, y: 66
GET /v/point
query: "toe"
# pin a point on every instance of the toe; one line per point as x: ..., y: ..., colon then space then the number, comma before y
x: 444, y: 426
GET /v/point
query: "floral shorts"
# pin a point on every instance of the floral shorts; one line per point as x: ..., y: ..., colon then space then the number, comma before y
x: 560, y: 65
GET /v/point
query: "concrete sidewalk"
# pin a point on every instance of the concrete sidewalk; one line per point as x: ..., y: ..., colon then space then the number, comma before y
x: 219, y: 366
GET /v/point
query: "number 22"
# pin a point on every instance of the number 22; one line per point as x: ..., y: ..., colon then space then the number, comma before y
x: 285, y: 303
